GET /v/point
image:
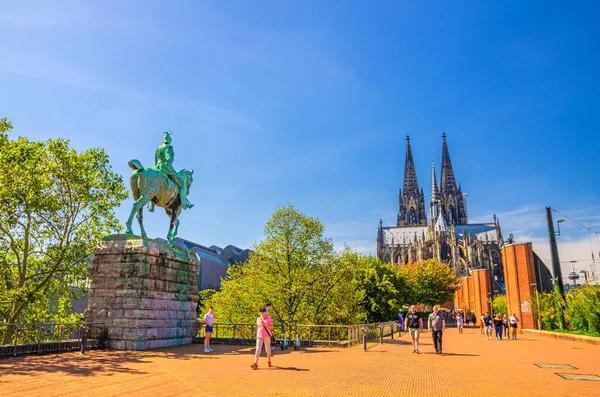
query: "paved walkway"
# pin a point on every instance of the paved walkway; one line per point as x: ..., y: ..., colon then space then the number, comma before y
x: 472, y: 366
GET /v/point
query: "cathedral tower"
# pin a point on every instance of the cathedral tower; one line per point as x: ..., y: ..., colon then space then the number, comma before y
x: 452, y: 198
x: 411, y: 198
x: 434, y: 206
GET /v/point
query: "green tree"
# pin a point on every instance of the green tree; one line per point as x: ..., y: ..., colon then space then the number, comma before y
x: 5, y: 127
x: 380, y: 285
x: 55, y: 205
x: 499, y: 304
x: 429, y: 282
x: 296, y: 270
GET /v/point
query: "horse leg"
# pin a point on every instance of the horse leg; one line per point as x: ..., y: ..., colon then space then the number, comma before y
x: 140, y: 218
x: 139, y: 203
x: 174, y: 224
x: 169, y: 212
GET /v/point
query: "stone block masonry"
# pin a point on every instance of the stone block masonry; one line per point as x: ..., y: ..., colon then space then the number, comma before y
x: 144, y: 291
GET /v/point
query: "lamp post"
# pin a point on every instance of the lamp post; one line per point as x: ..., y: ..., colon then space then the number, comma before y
x: 585, y: 274
x: 537, y: 299
x: 554, y: 249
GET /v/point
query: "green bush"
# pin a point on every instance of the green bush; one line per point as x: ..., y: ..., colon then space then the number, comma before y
x: 581, y: 309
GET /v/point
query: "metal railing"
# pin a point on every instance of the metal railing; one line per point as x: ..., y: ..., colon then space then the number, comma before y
x: 40, y: 338
x: 305, y: 335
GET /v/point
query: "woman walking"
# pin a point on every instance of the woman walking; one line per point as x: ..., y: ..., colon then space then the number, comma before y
x: 505, y: 326
x: 498, y: 326
x: 513, y: 320
x: 264, y: 330
x: 459, y: 322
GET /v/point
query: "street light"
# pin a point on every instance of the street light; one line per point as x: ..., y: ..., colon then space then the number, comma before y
x: 558, y: 226
x: 537, y: 299
x: 585, y: 274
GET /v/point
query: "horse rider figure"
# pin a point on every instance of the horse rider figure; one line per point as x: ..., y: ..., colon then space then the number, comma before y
x: 163, y: 158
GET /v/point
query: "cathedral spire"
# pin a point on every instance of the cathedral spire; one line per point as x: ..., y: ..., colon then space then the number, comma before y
x: 434, y: 187
x: 411, y: 184
x: 412, y: 199
x: 452, y: 199
x: 448, y: 181
x: 435, y: 193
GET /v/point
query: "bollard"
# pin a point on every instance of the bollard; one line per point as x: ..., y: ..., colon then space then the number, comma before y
x: 364, y: 338
x: 392, y: 331
x: 380, y: 334
x: 83, y: 338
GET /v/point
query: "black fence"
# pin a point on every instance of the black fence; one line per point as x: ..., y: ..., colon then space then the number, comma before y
x: 21, y: 339
x: 303, y: 335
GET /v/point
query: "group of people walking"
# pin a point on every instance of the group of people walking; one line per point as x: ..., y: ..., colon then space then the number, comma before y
x: 436, y: 323
x: 503, y: 326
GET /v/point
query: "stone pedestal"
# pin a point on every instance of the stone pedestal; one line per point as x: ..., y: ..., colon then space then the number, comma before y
x: 144, y: 291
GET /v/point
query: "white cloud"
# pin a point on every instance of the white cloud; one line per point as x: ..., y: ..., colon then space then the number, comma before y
x: 44, y: 68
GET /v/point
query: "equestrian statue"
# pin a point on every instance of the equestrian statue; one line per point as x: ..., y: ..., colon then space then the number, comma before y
x: 162, y: 186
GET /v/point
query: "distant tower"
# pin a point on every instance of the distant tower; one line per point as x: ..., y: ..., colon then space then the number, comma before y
x: 411, y: 198
x: 452, y: 198
x: 434, y: 206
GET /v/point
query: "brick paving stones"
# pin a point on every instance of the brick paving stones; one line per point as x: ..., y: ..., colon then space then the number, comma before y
x: 472, y: 366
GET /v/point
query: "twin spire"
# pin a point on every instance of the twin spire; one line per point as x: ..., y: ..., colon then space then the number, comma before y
x: 448, y: 201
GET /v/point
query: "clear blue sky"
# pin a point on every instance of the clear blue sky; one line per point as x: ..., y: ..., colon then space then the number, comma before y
x: 308, y: 103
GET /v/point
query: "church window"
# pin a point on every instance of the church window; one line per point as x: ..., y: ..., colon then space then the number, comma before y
x: 412, y: 216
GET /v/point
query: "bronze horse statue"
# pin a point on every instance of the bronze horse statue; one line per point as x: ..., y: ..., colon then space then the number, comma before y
x: 149, y: 185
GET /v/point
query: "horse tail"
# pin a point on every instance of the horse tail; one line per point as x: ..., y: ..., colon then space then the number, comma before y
x: 136, y: 165
x: 135, y: 181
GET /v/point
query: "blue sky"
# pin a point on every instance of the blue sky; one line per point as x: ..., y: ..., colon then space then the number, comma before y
x: 309, y: 102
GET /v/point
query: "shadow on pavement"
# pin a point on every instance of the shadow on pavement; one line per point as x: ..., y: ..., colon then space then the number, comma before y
x: 454, y: 354
x: 289, y: 369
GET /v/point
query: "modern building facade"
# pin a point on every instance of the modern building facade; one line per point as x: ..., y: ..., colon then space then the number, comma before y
x: 214, y: 261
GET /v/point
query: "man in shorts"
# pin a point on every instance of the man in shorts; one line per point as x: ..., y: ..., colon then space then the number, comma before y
x: 209, y: 320
x: 415, y: 325
x: 487, y: 322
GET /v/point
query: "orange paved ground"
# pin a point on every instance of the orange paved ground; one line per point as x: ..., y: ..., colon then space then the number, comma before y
x: 473, y: 366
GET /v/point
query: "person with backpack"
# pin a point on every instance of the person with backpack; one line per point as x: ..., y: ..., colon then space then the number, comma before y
x: 264, y: 330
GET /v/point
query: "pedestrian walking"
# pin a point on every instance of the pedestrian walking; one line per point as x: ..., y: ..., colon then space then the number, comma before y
x: 400, y: 323
x: 268, y: 307
x: 505, y: 325
x: 498, y: 326
x: 482, y: 325
x: 415, y: 325
x: 209, y: 321
x: 487, y: 321
x: 436, y: 323
x: 459, y: 323
x: 264, y: 329
x: 473, y: 319
x: 513, y: 320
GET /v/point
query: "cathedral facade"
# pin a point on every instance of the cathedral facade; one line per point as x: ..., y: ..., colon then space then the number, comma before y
x: 447, y: 236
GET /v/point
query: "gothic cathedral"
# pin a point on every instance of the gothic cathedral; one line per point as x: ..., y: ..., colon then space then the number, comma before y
x: 447, y: 237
